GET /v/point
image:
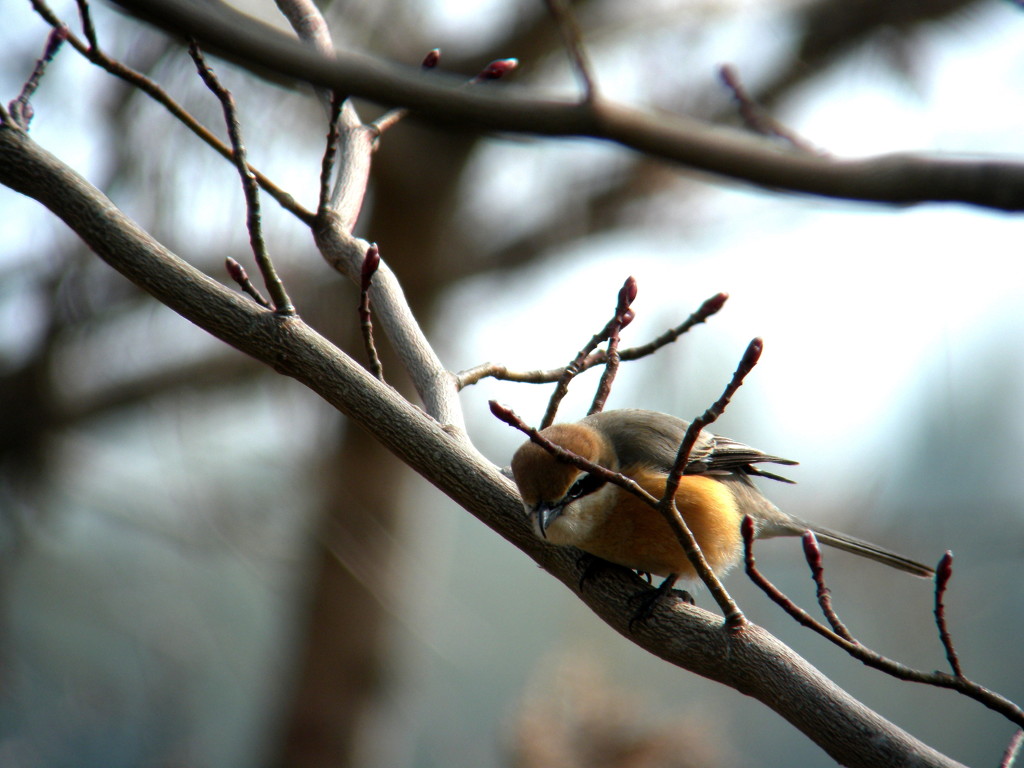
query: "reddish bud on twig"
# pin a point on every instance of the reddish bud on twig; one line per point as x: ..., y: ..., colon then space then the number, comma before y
x: 502, y: 412
x: 747, y: 530
x: 53, y: 43
x: 236, y: 270
x: 240, y: 276
x: 497, y: 69
x: 812, y: 551
x: 370, y: 263
x: 626, y: 318
x: 627, y: 294
x: 753, y: 353
x: 713, y: 305
x: 944, y: 570
x: 943, y: 573
x: 432, y: 59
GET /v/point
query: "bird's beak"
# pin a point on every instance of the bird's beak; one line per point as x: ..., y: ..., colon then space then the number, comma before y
x: 546, y: 514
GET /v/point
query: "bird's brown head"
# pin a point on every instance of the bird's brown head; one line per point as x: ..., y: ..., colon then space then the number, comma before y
x: 548, y: 484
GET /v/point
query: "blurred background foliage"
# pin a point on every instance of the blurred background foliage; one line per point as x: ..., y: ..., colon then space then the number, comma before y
x: 202, y: 565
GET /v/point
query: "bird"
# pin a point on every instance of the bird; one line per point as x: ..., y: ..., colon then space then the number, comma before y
x: 568, y: 506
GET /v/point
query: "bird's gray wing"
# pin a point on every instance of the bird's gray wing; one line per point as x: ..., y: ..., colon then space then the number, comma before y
x: 653, y: 439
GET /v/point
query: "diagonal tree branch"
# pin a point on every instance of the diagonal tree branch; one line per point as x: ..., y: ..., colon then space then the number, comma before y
x: 752, y: 661
x: 899, y: 178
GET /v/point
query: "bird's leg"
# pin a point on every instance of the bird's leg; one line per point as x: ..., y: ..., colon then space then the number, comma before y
x: 590, y: 564
x: 649, y: 599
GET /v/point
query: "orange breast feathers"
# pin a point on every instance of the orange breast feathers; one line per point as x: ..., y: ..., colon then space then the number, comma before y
x: 615, y: 525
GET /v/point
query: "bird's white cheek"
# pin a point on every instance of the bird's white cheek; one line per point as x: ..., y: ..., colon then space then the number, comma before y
x: 576, y: 523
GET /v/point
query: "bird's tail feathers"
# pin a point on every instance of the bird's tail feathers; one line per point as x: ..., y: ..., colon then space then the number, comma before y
x: 871, y: 551
x: 781, y: 524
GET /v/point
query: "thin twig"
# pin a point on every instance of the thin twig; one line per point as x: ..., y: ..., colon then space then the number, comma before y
x: 88, y: 29
x: 893, y: 178
x: 623, y: 317
x: 871, y: 658
x: 370, y: 265
x: 750, y: 357
x: 495, y: 70
x: 240, y: 276
x: 812, y: 552
x: 330, y: 154
x: 93, y: 54
x: 570, y: 31
x: 507, y: 415
x: 21, y: 108
x: 757, y: 118
x: 709, y: 307
x: 943, y: 573
x: 667, y: 505
x: 492, y: 370
x: 573, y: 369
x: 355, y: 141
x: 393, y: 116
x: 278, y: 294
x: 1012, y: 750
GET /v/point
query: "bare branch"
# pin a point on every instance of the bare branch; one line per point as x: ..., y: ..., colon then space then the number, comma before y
x: 942, y: 576
x: 812, y: 552
x: 392, y: 117
x: 278, y: 294
x: 623, y: 317
x: 750, y: 357
x: 570, y: 31
x: 873, y: 659
x: 370, y: 265
x: 757, y: 118
x: 355, y: 141
x: 330, y: 155
x: 88, y: 29
x: 1012, y: 750
x: 758, y: 665
x: 734, y: 617
x: 492, y: 370
x: 20, y: 109
x: 308, y: 23
x: 893, y: 178
x: 434, y: 384
x: 160, y: 96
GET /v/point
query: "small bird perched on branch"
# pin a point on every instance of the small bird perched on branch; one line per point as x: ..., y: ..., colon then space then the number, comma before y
x: 571, y: 507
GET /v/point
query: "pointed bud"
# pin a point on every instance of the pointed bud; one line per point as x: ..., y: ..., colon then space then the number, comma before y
x: 812, y: 551
x: 503, y: 413
x: 627, y: 293
x: 714, y: 304
x: 236, y: 270
x: 944, y: 570
x: 432, y: 59
x: 371, y: 262
x: 497, y: 69
x: 747, y: 529
x: 753, y: 353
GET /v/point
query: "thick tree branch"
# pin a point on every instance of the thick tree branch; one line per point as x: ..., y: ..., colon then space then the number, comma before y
x: 894, y: 178
x: 435, y: 385
x: 752, y: 661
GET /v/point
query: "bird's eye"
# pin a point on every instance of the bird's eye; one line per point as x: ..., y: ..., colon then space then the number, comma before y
x: 585, y: 484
